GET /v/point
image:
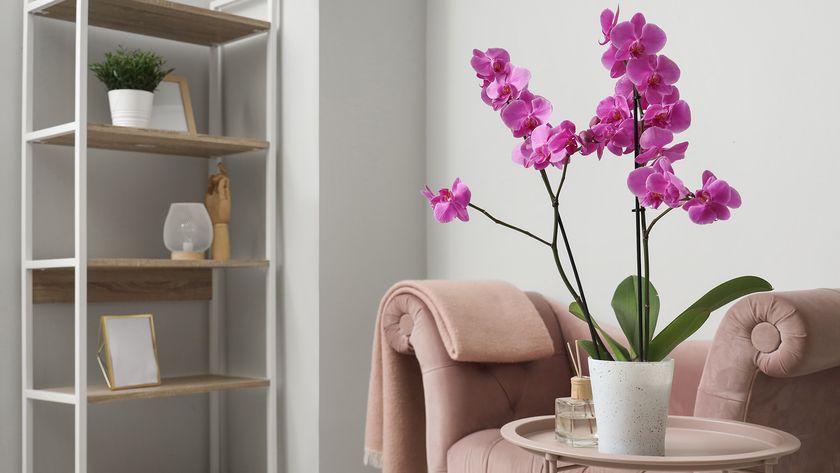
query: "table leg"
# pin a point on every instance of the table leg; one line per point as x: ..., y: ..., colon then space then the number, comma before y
x: 550, y: 463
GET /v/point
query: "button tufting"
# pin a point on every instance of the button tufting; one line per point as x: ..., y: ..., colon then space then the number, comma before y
x: 406, y: 325
x: 766, y: 337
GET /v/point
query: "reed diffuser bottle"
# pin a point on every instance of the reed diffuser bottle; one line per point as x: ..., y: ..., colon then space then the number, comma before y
x: 575, y: 422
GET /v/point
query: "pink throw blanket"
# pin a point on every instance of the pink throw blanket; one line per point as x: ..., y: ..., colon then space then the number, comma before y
x: 486, y: 321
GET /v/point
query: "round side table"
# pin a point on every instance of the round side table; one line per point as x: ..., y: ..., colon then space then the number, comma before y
x: 691, y: 444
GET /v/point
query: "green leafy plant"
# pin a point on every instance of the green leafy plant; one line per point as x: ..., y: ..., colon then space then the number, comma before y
x: 131, y: 69
x: 625, y: 303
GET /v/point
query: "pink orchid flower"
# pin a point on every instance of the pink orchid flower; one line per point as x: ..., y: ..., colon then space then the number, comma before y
x: 608, y: 22
x: 617, y: 137
x: 636, y: 38
x: 608, y: 60
x: 506, y: 86
x: 547, y: 146
x: 592, y: 141
x: 522, y: 153
x: 489, y: 63
x: 589, y: 143
x: 622, y: 139
x: 526, y: 113
x: 613, y: 109
x: 671, y: 98
x: 675, y: 116
x: 657, y: 184
x: 449, y: 204
x: 624, y: 88
x: 567, y: 139
x: 654, y: 76
x: 713, y: 201
x: 653, y: 141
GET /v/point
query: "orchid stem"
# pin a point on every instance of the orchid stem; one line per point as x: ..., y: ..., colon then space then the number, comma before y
x: 653, y: 222
x: 646, y: 255
x: 646, y: 251
x: 643, y: 305
x: 562, y: 181
x: 505, y: 224
x: 579, y: 296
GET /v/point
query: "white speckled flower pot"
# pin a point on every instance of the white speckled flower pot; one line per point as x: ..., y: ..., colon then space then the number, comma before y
x: 631, y: 405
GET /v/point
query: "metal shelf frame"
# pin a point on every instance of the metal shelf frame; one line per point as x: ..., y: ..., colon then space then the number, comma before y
x: 78, y: 399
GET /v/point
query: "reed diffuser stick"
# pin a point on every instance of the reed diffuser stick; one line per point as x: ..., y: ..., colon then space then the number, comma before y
x: 572, y: 358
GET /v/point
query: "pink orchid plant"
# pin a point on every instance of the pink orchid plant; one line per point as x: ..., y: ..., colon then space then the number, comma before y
x: 641, y: 118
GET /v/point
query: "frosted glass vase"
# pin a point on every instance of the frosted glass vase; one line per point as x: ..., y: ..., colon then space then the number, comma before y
x: 188, y: 231
x: 631, y: 404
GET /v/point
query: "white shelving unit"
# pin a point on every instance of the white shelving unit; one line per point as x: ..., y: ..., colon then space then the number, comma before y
x: 66, y: 279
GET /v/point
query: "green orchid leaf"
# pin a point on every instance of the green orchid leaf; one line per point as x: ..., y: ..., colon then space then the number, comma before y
x: 731, y: 290
x: 619, y: 352
x: 625, y: 305
x: 589, y: 348
x: 676, y: 332
x: 696, y: 315
x: 577, y: 311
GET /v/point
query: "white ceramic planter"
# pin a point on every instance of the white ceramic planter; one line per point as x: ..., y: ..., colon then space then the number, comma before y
x: 631, y: 405
x: 131, y: 107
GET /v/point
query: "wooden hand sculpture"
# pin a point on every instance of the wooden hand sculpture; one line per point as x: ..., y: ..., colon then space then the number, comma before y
x: 217, y: 201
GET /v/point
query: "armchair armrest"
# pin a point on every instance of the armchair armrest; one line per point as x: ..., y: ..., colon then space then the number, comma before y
x: 779, y: 334
x: 774, y: 361
x: 463, y: 398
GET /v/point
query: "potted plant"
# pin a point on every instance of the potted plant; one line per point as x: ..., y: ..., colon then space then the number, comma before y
x: 632, y: 383
x: 131, y: 77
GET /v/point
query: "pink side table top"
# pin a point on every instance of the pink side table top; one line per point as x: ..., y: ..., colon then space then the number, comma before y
x: 691, y: 444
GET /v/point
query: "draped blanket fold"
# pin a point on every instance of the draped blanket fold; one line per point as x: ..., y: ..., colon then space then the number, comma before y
x: 478, y: 321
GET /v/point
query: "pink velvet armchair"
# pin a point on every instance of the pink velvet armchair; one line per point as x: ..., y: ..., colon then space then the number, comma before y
x: 775, y: 361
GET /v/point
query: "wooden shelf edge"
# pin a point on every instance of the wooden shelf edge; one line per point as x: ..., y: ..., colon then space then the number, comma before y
x: 134, y: 280
x: 170, y: 387
x: 146, y: 140
x: 162, y: 263
x: 162, y: 19
x: 57, y: 286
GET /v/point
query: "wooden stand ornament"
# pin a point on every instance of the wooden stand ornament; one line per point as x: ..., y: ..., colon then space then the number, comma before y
x: 217, y: 201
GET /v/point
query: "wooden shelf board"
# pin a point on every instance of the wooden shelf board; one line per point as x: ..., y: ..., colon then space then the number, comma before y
x: 143, y: 140
x: 162, y: 263
x: 181, y: 386
x: 134, y: 280
x: 162, y: 19
x: 56, y: 286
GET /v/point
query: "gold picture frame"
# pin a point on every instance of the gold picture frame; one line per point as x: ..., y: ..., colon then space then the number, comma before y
x: 128, y: 345
x: 172, y: 107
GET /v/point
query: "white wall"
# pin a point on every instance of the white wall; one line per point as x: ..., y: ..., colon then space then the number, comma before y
x: 300, y: 157
x: 10, y: 51
x: 372, y: 227
x: 760, y: 82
